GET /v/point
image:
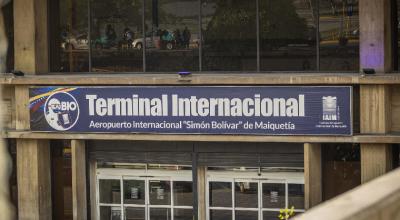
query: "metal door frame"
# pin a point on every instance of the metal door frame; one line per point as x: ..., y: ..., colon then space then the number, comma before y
x: 145, y: 175
x: 221, y: 176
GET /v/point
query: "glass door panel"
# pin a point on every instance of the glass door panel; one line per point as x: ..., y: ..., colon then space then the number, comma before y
x: 220, y: 214
x: 183, y: 193
x: 160, y: 192
x: 160, y: 213
x: 246, y: 215
x: 110, y: 213
x: 117, y: 35
x: 134, y: 192
x: 220, y: 194
x: 183, y: 214
x: 252, y: 199
x: 296, y: 196
x: 246, y: 194
x: 270, y: 215
x: 160, y: 197
x: 273, y: 195
x: 135, y: 213
x: 110, y: 191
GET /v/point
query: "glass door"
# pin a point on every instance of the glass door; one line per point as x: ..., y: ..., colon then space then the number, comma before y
x: 159, y: 205
x: 273, y: 197
x: 135, y: 198
x: 145, y: 198
x: 246, y: 197
x: 252, y: 199
x: 220, y: 200
x: 109, y: 198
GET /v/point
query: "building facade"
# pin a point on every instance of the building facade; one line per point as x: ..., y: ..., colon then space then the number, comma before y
x: 197, y: 109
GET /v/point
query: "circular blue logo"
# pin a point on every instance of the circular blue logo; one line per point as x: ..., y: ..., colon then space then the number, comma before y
x: 61, y: 111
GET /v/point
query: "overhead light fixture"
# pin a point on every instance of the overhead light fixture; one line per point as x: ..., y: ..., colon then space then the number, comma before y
x: 368, y: 71
x: 18, y: 73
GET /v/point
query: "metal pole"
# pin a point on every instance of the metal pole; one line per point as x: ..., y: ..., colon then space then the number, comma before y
x: 195, y: 185
x: 258, y: 35
x: 317, y: 37
x: 90, y: 34
x: 200, y: 38
x: 144, y: 34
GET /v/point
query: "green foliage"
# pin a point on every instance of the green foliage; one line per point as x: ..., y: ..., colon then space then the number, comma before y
x: 233, y: 19
x: 126, y: 12
x: 285, y: 214
x: 279, y: 20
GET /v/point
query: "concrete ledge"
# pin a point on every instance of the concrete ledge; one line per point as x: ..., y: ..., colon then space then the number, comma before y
x: 375, y: 200
x: 201, y: 79
x: 390, y: 138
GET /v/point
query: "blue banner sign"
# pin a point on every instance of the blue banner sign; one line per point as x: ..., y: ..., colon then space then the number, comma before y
x: 271, y: 110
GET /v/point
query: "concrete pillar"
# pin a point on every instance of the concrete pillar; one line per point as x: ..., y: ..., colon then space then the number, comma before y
x: 34, y: 179
x: 312, y: 175
x: 33, y: 156
x: 375, y: 116
x: 201, y: 190
x: 375, y: 35
x: 79, y: 201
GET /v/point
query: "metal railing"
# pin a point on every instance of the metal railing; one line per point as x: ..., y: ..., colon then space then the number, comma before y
x: 378, y: 199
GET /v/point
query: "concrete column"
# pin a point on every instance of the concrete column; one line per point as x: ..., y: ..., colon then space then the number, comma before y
x: 33, y: 167
x: 34, y: 179
x: 201, y: 190
x: 31, y: 43
x: 312, y: 175
x: 375, y: 35
x: 375, y: 112
x: 92, y: 179
x: 33, y: 156
x: 79, y: 201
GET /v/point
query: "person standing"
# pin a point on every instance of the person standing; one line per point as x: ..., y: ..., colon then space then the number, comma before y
x: 186, y: 37
x: 110, y: 35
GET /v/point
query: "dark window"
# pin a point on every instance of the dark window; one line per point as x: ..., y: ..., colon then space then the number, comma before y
x: 183, y: 193
x: 246, y: 194
x: 220, y: 214
x: 296, y: 195
x: 339, y: 35
x: 160, y: 193
x: 172, y: 35
x: 109, y: 191
x: 116, y: 31
x: 341, y: 168
x: 61, y: 179
x: 204, y: 35
x: 134, y: 192
x: 288, y: 35
x: 220, y: 194
x: 69, y: 37
x: 246, y: 215
x: 183, y: 214
x: 229, y: 34
x: 274, y: 195
x: 270, y: 215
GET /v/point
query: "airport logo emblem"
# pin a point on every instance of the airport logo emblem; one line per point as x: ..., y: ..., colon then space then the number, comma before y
x: 329, y: 108
x: 61, y: 111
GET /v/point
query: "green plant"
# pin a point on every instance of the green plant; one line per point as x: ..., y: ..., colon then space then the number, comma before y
x: 286, y: 213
